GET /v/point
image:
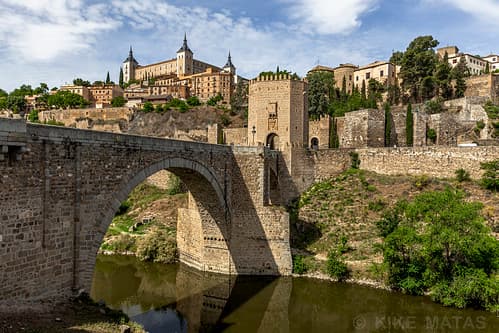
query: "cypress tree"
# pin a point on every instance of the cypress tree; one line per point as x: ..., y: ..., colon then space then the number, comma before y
x: 388, y: 125
x: 409, y: 126
x: 121, y: 78
x: 363, y: 92
x: 108, y: 78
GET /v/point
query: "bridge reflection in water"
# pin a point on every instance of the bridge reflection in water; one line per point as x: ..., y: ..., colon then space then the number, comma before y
x: 175, y: 298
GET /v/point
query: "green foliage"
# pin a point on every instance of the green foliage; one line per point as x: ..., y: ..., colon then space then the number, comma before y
x: 66, y: 99
x: 320, y: 88
x: 434, y: 106
x: 159, y: 109
x: 420, y: 182
x: 443, y: 78
x: 492, y: 110
x: 33, y: 116
x: 121, y: 82
x: 394, y: 93
x: 239, y: 99
x: 157, y: 246
x: 490, y: 178
x: 148, y: 107
x: 334, y: 139
x: 336, y: 267
x: 118, y: 101
x: 431, y: 135
x: 124, y: 207
x: 436, y: 243
x: 225, y: 120
x: 174, y: 185
x: 193, y: 101
x: 122, y: 243
x: 459, y: 73
x: 299, y: 265
x: 354, y: 160
x: 53, y: 122
x: 462, y: 175
x: 213, y: 101
x: 396, y: 57
x: 418, y: 63
x: 293, y: 76
x: 81, y: 82
x: 388, y: 126
x: 376, y: 206
x: 3, y: 93
x: 409, y: 126
x: 108, y: 78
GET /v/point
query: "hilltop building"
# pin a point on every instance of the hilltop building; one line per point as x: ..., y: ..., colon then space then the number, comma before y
x: 99, y: 95
x: 477, y: 65
x: 182, y: 76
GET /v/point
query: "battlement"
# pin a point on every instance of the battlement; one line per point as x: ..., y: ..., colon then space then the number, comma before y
x: 275, y: 77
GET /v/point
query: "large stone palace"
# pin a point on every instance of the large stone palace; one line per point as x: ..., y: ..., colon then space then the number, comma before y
x: 181, y: 77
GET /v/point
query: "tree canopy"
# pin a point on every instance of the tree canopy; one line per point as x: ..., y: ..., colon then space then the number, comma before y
x: 320, y: 90
x: 66, y: 99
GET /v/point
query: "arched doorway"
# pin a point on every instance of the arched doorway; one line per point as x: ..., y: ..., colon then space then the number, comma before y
x: 314, y: 143
x: 273, y: 141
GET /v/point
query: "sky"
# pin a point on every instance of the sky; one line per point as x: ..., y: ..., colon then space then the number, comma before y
x: 55, y: 41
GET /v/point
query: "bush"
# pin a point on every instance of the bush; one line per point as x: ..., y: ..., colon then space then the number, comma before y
x: 376, y: 206
x: 225, y: 120
x: 462, y: 175
x: 125, y: 205
x: 123, y: 243
x: 299, y: 264
x: 434, y: 106
x: 193, y: 101
x: 354, y: 159
x: 148, y: 107
x: 490, y: 178
x: 336, y: 267
x: 421, y: 182
x: 174, y: 185
x: 214, y: 100
x: 33, y: 116
x: 431, y: 135
x: 157, y: 246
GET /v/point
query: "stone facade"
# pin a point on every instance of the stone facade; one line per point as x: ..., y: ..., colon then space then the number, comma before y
x: 319, y: 132
x: 363, y: 128
x: 111, y: 119
x: 59, y: 194
x: 235, y: 136
x: 486, y: 85
x: 346, y: 71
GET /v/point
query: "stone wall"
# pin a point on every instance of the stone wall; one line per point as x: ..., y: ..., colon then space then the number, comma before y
x: 363, y: 128
x: 99, y: 119
x: 235, y: 136
x: 486, y: 85
x: 59, y: 197
x: 320, y: 130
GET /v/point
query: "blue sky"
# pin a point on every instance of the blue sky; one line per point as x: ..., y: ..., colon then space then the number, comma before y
x: 54, y: 41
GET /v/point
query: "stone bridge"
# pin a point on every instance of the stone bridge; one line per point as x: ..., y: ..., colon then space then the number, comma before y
x: 60, y: 188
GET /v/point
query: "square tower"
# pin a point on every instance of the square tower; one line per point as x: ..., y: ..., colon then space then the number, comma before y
x: 278, y: 112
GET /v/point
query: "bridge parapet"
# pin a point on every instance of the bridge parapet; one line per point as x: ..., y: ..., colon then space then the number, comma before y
x: 13, y: 137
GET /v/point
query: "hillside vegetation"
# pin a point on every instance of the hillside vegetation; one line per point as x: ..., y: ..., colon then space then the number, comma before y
x: 337, y: 230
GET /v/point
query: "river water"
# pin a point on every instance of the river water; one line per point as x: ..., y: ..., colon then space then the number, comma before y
x: 174, y: 298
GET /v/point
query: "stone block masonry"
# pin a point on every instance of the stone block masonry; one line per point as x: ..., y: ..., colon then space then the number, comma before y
x: 57, y: 202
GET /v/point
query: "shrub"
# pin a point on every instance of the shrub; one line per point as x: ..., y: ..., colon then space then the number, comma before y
x: 434, y: 106
x: 343, y: 244
x: 421, y: 182
x: 174, y: 185
x: 225, y: 120
x: 147, y: 107
x: 157, y: 246
x: 480, y: 125
x: 299, y: 264
x: 336, y: 267
x: 213, y: 101
x: 193, y: 101
x: 123, y: 243
x: 159, y: 109
x: 490, y: 178
x: 431, y: 135
x: 354, y: 159
x: 125, y: 205
x: 33, y: 116
x: 376, y: 206
x: 462, y: 175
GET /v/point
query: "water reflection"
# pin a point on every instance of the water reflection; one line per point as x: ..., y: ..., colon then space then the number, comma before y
x: 173, y: 298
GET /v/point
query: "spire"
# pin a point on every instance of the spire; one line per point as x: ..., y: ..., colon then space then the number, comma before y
x: 229, y: 62
x: 130, y: 56
x: 184, y: 47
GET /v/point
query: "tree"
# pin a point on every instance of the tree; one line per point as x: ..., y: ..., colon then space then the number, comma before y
x: 440, y: 243
x: 23, y: 90
x: 409, y: 126
x: 363, y: 91
x: 15, y: 103
x: 374, y: 93
x: 148, y: 107
x: 459, y: 73
x: 42, y: 89
x: 121, y: 83
x: 3, y: 93
x: 239, y: 99
x: 396, y: 57
x: 443, y: 78
x: 320, y: 87
x: 427, y: 89
x: 394, y: 93
x: 80, y: 82
x: 388, y: 126
x: 118, y: 101
x: 66, y: 99
x: 98, y: 83
x: 418, y: 62
x: 344, y: 93
x: 108, y: 78
x: 487, y: 68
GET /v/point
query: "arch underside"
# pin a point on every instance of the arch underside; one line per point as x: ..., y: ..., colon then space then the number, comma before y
x: 202, y: 229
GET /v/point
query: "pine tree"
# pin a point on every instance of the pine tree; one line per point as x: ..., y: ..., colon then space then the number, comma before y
x: 108, y: 78
x: 409, y: 126
x: 121, y: 78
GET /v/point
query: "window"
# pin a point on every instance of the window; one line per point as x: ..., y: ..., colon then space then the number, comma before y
x: 454, y: 61
x: 350, y: 77
x: 381, y: 73
x: 368, y: 76
x: 357, y: 78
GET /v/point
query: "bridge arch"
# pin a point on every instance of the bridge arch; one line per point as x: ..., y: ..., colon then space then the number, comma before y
x: 203, y: 229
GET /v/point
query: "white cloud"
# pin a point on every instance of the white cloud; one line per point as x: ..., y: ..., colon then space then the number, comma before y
x: 485, y: 10
x: 41, y: 30
x: 329, y: 17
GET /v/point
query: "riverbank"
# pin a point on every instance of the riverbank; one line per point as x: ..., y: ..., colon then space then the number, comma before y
x: 78, y: 315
